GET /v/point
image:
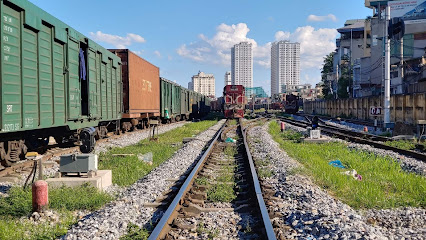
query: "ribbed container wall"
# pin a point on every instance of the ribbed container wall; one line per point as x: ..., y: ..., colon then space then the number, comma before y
x: 141, y: 85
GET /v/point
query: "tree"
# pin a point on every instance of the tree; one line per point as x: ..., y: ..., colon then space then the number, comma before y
x: 327, y: 68
x: 344, y: 80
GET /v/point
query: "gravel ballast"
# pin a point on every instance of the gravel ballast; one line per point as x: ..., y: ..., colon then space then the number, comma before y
x: 111, y: 222
x: 310, y: 212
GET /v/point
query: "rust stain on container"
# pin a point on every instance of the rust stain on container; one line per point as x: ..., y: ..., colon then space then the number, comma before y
x: 141, y: 85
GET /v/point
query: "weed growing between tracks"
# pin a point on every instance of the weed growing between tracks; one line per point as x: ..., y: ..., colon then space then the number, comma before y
x: 128, y: 169
x: 222, y: 190
x: 384, y: 183
x: 64, y: 200
x: 135, y: 232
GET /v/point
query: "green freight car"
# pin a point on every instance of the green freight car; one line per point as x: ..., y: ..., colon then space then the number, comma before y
x: 54, y: 81
x: 174, y: 101
x: 178, y: 103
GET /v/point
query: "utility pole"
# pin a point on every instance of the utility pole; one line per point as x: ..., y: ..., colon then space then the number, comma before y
x: 337, y: 80
x: 387, y: 70
x: 401, y: 62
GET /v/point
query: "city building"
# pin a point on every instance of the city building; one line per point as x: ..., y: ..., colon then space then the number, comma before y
x: 360, y: 48
x: 285, y: 66
x: 408, y: 55
x: 228, y: 78
x: 258, y: 92
x: 203, y: 83
x: 242, y: 64
x: 306, y: 91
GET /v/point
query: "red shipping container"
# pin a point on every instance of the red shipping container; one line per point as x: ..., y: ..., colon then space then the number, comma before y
x: 141, y: 86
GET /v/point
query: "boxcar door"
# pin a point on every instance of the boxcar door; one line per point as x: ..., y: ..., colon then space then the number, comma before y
x: 93, y: 83
x: 74, y: 108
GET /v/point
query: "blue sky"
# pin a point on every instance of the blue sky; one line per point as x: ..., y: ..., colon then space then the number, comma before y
x: 184, y: 37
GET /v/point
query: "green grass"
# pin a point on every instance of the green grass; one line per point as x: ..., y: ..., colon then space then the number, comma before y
x: 232, y: 122
x: 230, y: 151
x: 386, y: 134
x: 211, y: 233
x: 402, y: 144
x: 127, y: 170
x: 264, y: 172
x: 18, y: 203
x: 135, y: 233
x: 64, y: 200
x: 291, y: 135
x: 221, y: 192
x: 384, y: 184
x: 15, y: 229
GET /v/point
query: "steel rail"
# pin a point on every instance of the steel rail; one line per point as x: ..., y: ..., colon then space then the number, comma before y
x: 337, y: 132
x: 258, y: 191
x: 161, y: 229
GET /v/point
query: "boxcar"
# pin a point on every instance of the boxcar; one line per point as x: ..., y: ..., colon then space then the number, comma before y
x: 141, y: 90
x: 54, y: 82
x: 171, y: 95
x: 234, y: 101
x: 217, y: 105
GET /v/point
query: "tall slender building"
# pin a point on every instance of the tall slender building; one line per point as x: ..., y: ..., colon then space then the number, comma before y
x: 203, y: 83
x: 285, y: 66
x: 228, y: 79
x: 242, y: 64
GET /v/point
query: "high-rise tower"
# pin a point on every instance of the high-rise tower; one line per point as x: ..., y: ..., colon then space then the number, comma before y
x: 242, y: 64
x: 285, y: 66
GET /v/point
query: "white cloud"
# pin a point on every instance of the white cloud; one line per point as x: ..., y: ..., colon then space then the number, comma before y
x: 314, y: 45
x: 157, y: 53
x: 217, y: 49
x: 315, y: 18
x: 116, y: 40
x: 138, y: 52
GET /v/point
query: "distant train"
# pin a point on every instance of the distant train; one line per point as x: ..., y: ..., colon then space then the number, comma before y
x: 291, y: 104
x: 217, y: 105
x: 234, y: 101
x: 54, y: 81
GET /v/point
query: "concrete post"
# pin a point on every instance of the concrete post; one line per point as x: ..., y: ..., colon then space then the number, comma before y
x: 40, y: 196
x: 387, y: 70
x: 282, y: 126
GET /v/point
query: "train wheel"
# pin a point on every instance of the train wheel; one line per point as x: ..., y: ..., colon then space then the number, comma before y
x: 15, y: 151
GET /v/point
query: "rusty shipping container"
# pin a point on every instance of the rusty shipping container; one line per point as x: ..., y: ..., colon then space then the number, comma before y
x: 141, y: 86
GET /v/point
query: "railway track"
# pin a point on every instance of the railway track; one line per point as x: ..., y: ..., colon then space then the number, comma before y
x: 24, y: 167
x: 358, y: 137
x: 192, y: 206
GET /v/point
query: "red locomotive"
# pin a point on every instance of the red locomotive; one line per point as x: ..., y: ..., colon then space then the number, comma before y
x: 234, y: 101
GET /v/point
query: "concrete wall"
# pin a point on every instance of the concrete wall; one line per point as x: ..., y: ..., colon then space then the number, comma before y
x: 404, y: 108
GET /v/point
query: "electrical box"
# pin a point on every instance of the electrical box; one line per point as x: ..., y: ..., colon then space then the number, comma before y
x: 315, y: 134
x: 78, y: 163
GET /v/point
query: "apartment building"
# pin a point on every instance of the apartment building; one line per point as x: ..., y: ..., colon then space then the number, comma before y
x: 285, y: 66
